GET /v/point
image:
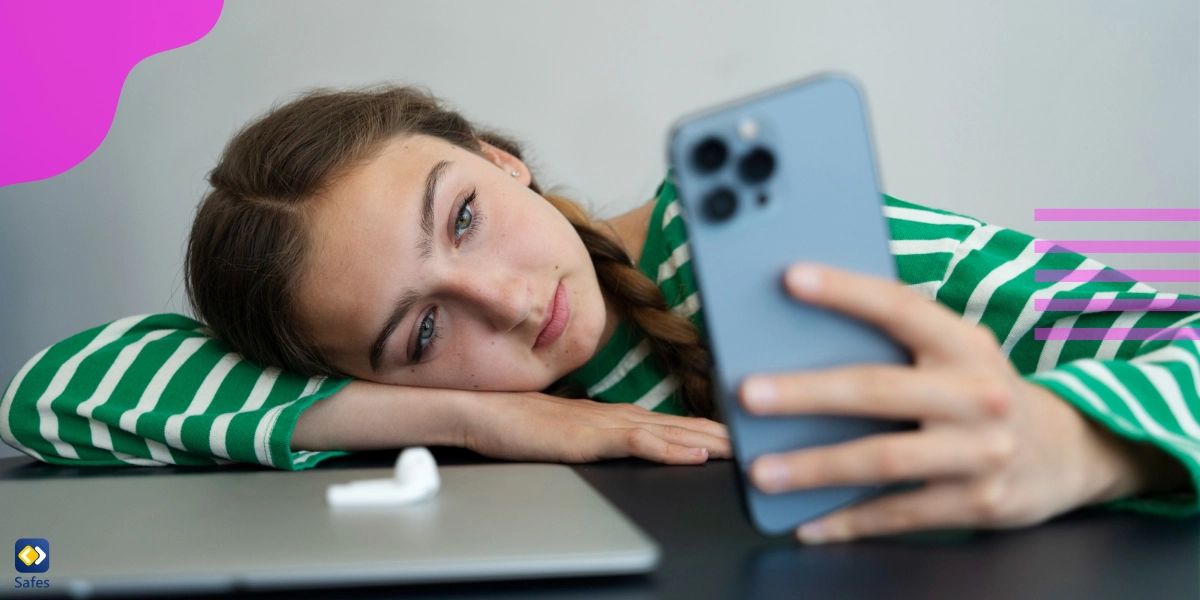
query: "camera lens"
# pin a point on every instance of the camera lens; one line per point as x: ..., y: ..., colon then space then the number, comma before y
x: 720, y: 204
x: 757, y: 165
x: 710, y: 155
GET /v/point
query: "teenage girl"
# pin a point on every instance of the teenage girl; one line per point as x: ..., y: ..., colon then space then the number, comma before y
x: 370, y: 270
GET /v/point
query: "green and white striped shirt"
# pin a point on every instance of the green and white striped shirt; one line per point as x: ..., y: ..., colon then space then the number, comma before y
x: 158, y: 389
x: 624, y: 370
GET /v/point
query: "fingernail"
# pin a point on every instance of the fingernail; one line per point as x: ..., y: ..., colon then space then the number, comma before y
x: 770, y: 474
x: 812, y: 533
x: 804, y: 279
x: 697, y: 451
x: 760, y: 393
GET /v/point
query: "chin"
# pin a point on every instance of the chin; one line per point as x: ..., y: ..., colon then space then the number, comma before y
x: 583, y: 348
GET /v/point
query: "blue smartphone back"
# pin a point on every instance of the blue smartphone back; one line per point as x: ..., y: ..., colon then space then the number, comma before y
x: 819, y: 202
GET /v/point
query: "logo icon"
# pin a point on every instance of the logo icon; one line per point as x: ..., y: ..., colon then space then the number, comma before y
x: 32, y: 555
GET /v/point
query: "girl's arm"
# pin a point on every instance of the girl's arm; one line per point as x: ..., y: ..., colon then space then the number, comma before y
x: 991, y: 450
x: 1036, y: 393
x: 154, y: 390
x: 1121, y: 353
x: 515, y: 426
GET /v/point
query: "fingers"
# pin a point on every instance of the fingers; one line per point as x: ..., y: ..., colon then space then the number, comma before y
x: 937, y: 506
x: 706, y: 426
x: 881, y: 391
x: 622, y: 430
x: 908, y: 456
x: 909, y: 318
x: 641, y: 443
x: 718, y: 447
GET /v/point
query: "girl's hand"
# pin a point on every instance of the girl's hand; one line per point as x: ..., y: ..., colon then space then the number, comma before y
x: 537, y: 427
x: 993, y: 449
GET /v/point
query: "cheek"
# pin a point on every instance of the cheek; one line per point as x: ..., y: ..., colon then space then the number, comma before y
x: 484, y: 363
x: 590, y: 320
x: 538, y: 235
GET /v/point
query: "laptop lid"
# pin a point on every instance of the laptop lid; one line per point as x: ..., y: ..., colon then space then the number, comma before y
x: 272, y: 530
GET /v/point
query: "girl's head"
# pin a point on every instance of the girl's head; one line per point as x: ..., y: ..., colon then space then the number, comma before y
x: 377, y: 234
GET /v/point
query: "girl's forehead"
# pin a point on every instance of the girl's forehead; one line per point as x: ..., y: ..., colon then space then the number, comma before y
x: 368, y: 224
x: 399, y: 162
x: 365, y: 218
x: 391, y: 184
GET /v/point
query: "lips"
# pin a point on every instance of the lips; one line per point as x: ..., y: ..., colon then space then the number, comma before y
x: 559, y: 312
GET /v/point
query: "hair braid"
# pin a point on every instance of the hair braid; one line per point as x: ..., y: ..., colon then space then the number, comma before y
x: 673, y: 339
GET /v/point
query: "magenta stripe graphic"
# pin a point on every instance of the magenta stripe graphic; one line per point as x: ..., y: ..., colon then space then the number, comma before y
x: 1097, y: 304
x: 1108, y: 275
x: 1116, y: 333
x: 1135, y: 246
x: 1116, y: 214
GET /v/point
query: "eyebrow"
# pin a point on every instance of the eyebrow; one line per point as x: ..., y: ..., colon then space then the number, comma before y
x: 425, y: 246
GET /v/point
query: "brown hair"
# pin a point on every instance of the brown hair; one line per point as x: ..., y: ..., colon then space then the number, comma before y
x: 247, y: 246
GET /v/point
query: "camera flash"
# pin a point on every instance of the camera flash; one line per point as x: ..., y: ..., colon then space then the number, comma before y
x: 747, y: 129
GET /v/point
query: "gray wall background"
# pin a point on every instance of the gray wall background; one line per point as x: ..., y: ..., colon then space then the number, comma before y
x: 987, y: 108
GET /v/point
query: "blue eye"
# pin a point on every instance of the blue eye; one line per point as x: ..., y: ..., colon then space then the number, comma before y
x: 465, y: 217
x: 465, y: 225
x: 425, y: 334
x: 467, y: 220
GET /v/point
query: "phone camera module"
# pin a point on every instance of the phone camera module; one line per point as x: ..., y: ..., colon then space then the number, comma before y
x: 757, y: 165
x: 720, y: 204
x: 710, y: 155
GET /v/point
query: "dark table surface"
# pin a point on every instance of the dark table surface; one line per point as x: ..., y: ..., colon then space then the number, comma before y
x: 711, y: 551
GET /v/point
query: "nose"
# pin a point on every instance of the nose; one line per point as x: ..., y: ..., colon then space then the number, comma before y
x: 503, y: 298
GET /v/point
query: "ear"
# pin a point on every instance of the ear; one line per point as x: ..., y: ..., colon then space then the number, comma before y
x: 507, y: 162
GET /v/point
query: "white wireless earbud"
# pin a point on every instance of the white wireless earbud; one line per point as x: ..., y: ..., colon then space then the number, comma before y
x: 416, y: 467
x: 416, y: 478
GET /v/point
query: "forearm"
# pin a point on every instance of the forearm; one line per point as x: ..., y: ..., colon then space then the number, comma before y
x: 1143, y: 410
x: 1136, y: 468
x: 368, y: 416
x: 1109, y: 466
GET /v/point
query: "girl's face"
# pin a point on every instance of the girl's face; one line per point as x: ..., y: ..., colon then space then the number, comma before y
x: 434, y: 266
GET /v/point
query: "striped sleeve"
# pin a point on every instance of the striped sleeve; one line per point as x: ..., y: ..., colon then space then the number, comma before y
x: 1119, y: 351
x: 156, y: 390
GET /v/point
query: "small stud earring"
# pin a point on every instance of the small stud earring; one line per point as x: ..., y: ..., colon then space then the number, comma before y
x: 516, y: 173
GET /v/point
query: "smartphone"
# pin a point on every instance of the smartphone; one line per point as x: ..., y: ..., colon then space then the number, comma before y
x: 766, y: 181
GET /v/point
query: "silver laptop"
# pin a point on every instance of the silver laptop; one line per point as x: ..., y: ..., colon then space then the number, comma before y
x: 271, y: 530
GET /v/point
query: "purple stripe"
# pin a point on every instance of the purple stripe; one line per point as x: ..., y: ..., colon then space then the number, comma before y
x: 1098, y: 304
x: 1116, y: 333
x: 1116, y: 214
x: 1109, y: 275
x: 1089, y: 246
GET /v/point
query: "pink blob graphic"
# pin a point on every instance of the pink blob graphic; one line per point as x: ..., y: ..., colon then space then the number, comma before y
x: 62, y: 66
